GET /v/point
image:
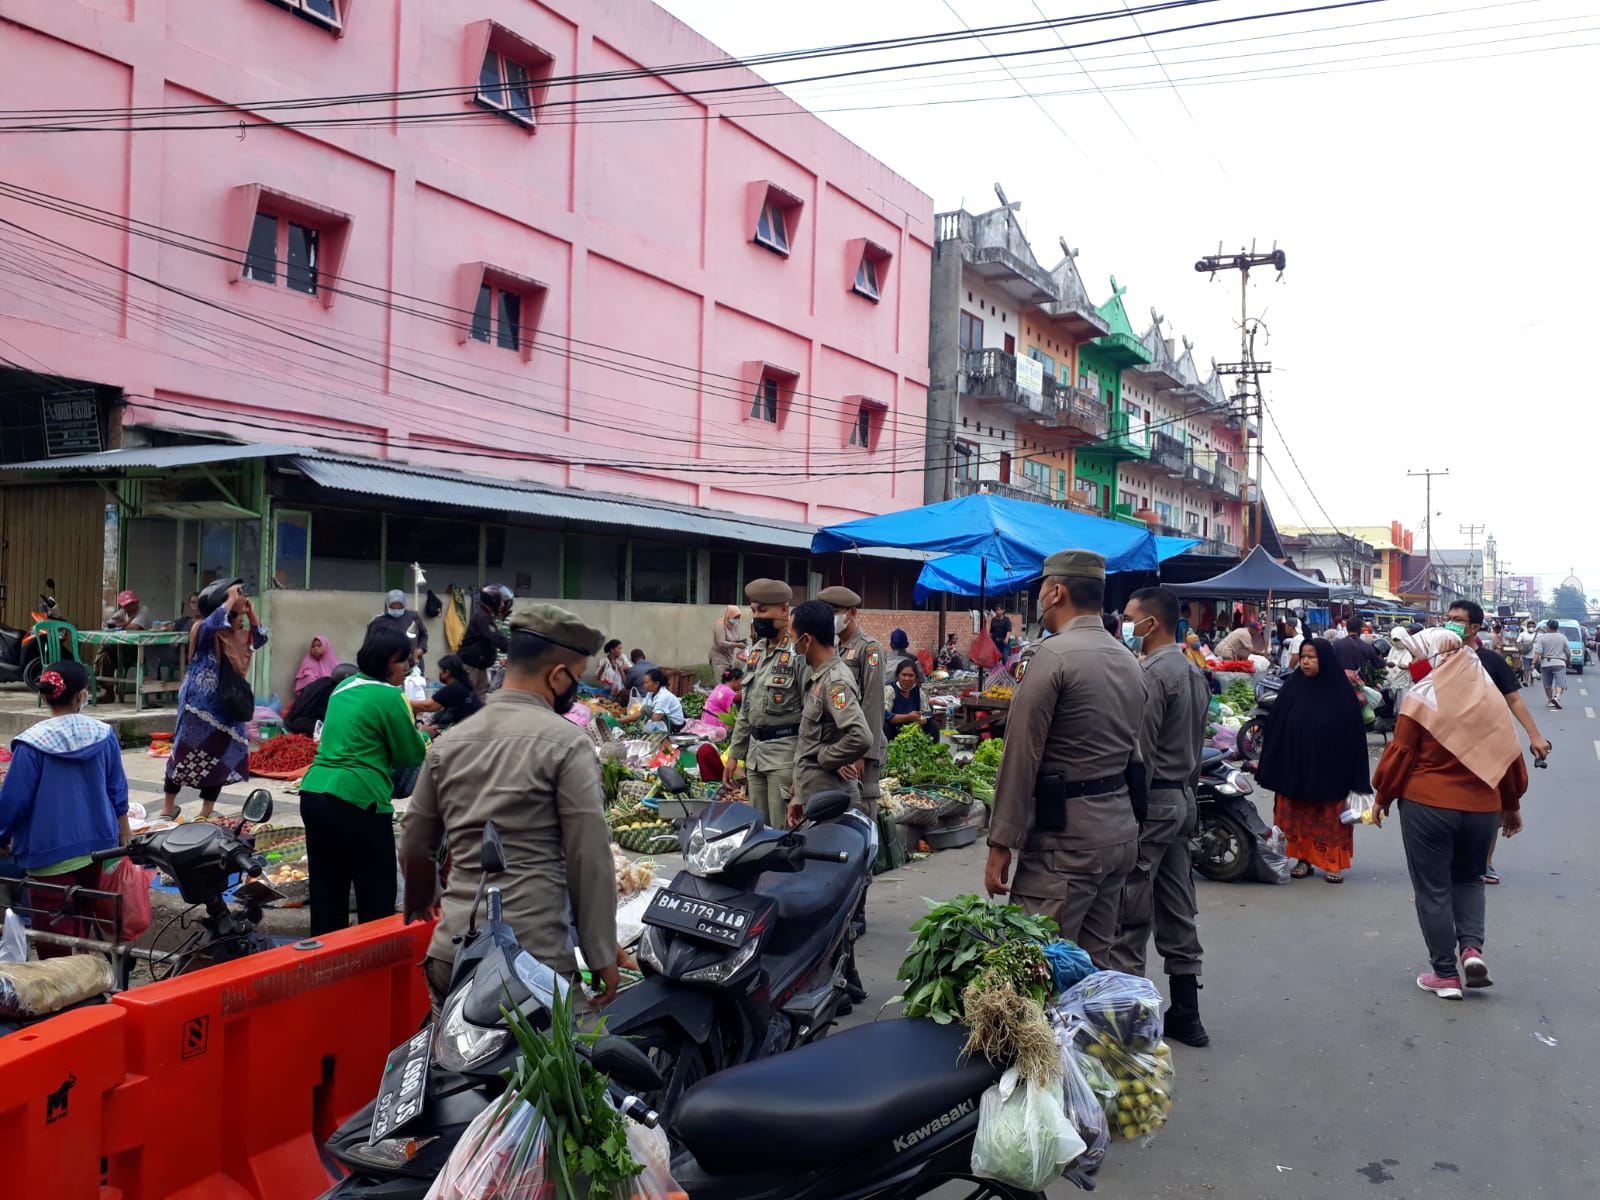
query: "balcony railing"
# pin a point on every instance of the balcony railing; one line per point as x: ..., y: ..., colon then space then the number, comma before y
x: 1129, y: 437
x: 991, y: 375
x: 1200, y: 469
x: 1020, y: 488
x: 1168, y: 452
x: 1082, y: 409
x: 1228, y: 481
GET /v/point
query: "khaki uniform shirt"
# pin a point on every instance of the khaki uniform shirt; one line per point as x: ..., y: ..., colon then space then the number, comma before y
x: 1078, y: 711
x: 773, y: 697
x: 535, y: 775
x: 834, y: 732
x: 1174, y: 727
x: 864, y: 655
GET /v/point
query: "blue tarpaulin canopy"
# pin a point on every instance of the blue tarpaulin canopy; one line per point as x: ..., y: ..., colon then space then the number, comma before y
x: 1008, y: 535
x: 963, y: 575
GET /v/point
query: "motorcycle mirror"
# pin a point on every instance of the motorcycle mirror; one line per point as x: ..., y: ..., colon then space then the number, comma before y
x: 672, y: 780
x: 492, y: 857
x: 825, y: 806
x: 626, y: 1064
x: 257, y: 806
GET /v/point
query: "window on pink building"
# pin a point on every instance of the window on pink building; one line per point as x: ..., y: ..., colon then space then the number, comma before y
x: 511, y: 73
x: 497, y: 317
x: 765, y: 406
x: 872, y: 262
x: 772, y: 228
x: 861, y: 431
x: 327, y: 13
x: 279, y: 242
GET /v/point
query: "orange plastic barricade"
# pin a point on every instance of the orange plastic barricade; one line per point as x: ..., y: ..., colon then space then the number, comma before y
x: 54, y: 1077
x: 238, y: 1073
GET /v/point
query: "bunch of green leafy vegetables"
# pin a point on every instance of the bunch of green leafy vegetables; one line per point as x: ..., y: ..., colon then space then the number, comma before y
x: 980, y: 774
x: 949, y: 947
x: 586, y: 1142
x: 1239, y: 695
x: 916, y: 760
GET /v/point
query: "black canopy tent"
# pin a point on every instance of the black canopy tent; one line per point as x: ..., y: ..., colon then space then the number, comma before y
x: 1258, y: 577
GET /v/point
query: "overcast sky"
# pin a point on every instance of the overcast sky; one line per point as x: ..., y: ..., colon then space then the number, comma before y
x: 1438, y: 218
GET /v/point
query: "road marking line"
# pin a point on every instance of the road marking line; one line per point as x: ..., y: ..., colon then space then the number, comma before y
x: 1597, y: 749
x: 1583, y: 691
x: 1589, y: 712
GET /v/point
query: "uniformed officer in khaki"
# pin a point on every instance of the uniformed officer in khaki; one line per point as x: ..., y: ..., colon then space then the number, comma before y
x: 1159, y: 892
x: 863, y: 654
x: 768, y: 726
x: 834, y: 731
x: 521, y: 764
x: 1062, y: 803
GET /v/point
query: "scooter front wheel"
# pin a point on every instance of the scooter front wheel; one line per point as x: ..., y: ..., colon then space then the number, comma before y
x: 1249, y: 738
x: 682, y: 1063
x: 1221, y: 847
x: 31, y: 672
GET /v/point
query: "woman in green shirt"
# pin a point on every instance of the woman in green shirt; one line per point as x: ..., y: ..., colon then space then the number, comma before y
x: 347, y: 797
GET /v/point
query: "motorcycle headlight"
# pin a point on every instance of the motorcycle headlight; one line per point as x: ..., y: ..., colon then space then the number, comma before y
x: 1241, y: 784
x: 726, y: 969
x: 1227, y: 789
x: 391, y: 1154
x: 458, y: 1044
x: 707, y: 855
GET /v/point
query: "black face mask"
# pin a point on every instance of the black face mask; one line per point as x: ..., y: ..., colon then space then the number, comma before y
x: 564, y: 701
x: 764, y: 628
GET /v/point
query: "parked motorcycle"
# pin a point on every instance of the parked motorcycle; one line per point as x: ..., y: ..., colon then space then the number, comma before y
x: 886, y: 1110
x: 438, y: 1081
x: 750, y: 950
x: 1228, y: 826
x: 202, y: 859
x: 19, y: 648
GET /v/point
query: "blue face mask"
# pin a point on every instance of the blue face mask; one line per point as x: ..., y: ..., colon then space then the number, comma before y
x: 1130, y: 639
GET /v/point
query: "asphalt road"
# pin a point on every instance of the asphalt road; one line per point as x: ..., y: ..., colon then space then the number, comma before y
x: 1330, y: 1075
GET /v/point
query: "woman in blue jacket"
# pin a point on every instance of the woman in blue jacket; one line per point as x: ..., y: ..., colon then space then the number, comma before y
x: 64, y: 797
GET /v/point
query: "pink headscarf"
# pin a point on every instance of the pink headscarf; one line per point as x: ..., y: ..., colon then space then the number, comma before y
x: 313, y: 669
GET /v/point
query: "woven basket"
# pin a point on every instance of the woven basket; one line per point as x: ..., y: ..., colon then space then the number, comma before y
x: 914, y: 816
x: 634, y: 789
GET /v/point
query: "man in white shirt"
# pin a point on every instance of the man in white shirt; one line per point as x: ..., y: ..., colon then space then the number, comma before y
x: 1293, y: 639
x: 1525, y: 639
x: 1550, y: 652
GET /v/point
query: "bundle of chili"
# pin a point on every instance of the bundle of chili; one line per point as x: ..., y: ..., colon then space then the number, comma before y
x: 284, y: 753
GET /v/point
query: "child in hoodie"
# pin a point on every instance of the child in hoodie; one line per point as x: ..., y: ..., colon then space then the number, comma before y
x: 64, y: 797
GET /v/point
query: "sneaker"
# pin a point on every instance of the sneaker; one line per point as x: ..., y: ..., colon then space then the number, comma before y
x: 1475, y: 969
x: 1446, y: 987
x: 1556, y: 703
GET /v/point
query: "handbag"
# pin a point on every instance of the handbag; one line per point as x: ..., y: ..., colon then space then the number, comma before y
x: 405, y: 781
x: 235, y: 697
x: 130, y: 882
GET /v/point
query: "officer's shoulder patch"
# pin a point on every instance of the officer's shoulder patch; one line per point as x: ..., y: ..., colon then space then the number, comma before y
x: 872, y: 658
x: 752, y: 659
x: 839, y: 695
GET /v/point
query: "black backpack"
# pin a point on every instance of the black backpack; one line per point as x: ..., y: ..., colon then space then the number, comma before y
x: 433, y: 606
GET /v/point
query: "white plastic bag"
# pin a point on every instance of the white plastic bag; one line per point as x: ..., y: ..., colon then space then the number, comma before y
x: 1024, y: 1137
x: 13, y: 941
x: 1359, y: 808
x: 416, y: 686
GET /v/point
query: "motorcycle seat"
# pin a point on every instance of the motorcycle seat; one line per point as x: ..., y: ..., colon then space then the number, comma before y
x: 819, y: 887
x: 1210, y: 754
x: 831, y: 1100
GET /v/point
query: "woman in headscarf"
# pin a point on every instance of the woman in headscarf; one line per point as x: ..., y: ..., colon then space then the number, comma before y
x: 319, y: 662
x: 410, y: 622
x: 725, y: 641
x: 209, y: 748
x: 1314, y: 754
x: 1193, y: 652
x: 1456, y: 766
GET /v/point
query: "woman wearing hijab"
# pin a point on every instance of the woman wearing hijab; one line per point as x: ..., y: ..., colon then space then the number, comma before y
x: 1314, y: 754
x: 410, y: 623
x: 319, y: 662
x: 210, y: 749
x: 1456, y: 767
x: 725, y: 642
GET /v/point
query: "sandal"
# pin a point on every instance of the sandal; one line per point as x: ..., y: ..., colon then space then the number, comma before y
x: 1332, y: 877
x: 170, y: 816
x: 1300, y: 871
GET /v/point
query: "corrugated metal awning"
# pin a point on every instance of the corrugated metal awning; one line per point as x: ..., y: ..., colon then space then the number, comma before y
x: 485, y: 493
x: 156, y: 457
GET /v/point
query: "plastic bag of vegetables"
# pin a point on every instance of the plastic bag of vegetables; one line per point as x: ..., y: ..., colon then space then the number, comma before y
x: 1024, y: 1137
x: 1086, y: 1100
x: 1127, y: 1008
x: 1142, y: 1099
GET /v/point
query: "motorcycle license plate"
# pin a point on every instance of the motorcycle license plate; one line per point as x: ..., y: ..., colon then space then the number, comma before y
x: 405, y: 1080
x: 704, y: 919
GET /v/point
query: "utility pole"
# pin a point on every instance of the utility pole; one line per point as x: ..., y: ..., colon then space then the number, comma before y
x: 1248, y: 369
x: 1427, y: 477
x: 1472, y: 532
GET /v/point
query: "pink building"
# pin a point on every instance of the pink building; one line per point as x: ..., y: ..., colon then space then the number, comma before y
x: 521, y: 254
